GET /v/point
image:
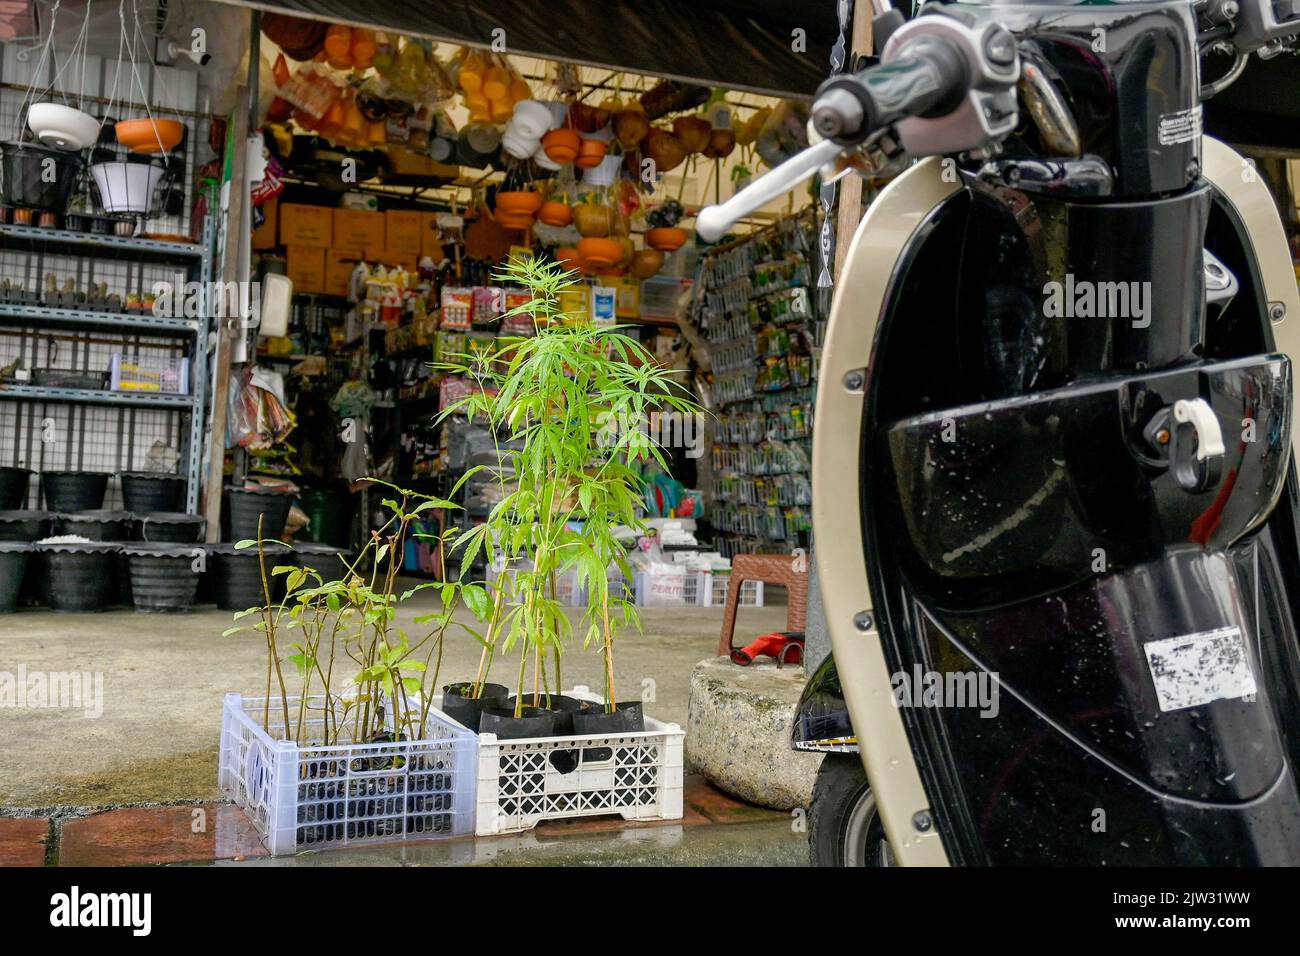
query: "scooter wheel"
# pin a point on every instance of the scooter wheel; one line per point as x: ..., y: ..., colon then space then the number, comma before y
x: 844, y: 828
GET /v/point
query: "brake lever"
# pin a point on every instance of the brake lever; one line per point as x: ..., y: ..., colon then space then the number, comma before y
x: 714, y: 222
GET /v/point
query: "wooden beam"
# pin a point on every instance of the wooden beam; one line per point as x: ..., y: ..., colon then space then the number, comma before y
x: 850, y: 209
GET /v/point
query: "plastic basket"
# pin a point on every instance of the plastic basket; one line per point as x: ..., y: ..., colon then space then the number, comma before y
x: 659, y: 295
x: 567, y: 591
x: 305, y: 797
x: 713, y: 589
x: 657, y: 589
x: 150, y: 374
x: 639, y: 776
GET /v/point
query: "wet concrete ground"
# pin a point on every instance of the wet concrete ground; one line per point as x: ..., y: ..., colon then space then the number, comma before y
x: 163, y: 678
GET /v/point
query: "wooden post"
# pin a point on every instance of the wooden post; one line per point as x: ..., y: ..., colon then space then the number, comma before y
x: 850, y: 211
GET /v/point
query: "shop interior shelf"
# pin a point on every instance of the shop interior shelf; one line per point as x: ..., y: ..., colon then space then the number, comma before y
x: 37, y: 393
x: 102, y: 321
x: 125, y: 245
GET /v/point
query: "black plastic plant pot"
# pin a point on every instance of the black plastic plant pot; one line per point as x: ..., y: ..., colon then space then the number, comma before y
x: 532, y: 722
x: 467, y: 710
x: 81, y: 576
x: 626, y: 717
x: 39, y: 177
x: 327, y: 560
x: 237, y: 575
x: 13, y: 565
x: 13, y: 487
x: 71, y: 491
x: 243, y: 507
x: 163, y: 577
x: 145, y: 491
x: 24, y: 525
x: 96, y: 525
x: 168, y: 527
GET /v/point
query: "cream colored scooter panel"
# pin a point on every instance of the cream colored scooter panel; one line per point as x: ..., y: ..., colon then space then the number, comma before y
x: 882, y: 235
x: 1235, y: 179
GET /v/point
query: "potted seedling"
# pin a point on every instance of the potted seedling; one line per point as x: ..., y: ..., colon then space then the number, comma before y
x: 564, y: 403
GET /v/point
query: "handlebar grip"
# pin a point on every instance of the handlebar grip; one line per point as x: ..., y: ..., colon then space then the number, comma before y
x: 927, y: 78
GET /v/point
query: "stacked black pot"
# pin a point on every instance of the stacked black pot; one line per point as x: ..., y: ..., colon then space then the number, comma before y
x: 235, y: 573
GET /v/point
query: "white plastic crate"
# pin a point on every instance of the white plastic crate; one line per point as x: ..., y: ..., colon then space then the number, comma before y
x: 714, y: 586
x: 659, y: 295
x: 567, y: 591
x: 519, y: 785
x: 169, y: 375
x: 314, y: 797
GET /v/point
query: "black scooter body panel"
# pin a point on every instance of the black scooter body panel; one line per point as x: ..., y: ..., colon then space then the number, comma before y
x: 993, y: 484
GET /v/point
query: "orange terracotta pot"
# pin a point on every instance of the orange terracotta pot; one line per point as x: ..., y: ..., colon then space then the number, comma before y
x: 556, y: 213
x: 568, y: 257
x: 561, y: 145
x: 600, y: 253
x: 149, y: 135
x: 590, y: 153
x: 514, y: 220
x: 519, y: 202
x: 667, y: 239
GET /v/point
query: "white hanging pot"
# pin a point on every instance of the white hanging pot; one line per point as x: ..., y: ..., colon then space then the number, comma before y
x: 544, y: 161
x: 530, y: 119
x: 62, y: 126
x: 517, y: 144
x: 126, y: 187
x: 603, y: 173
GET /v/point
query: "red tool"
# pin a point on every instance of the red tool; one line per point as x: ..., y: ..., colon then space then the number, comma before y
x: 785, y: 646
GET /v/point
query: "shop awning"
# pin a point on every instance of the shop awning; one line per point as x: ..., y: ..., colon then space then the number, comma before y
x: 773, y: 47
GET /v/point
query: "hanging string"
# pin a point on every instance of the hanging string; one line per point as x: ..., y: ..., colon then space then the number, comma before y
x: 827, y: 191
x: 30, y: 96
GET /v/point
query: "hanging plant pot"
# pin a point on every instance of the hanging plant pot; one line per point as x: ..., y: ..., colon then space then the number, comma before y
x: 13, y: 487
x: 467, y: 710
x: 70, y: 491
x: 13, y: 565
x: 168, y: 527
x: 667, y: 239
x: 665, y: 149
x: 693, y: 132
x: 39, y: 177
x: 24, y: 525
x: 126, y: 187
x: 721, y: 143
x: 593, y: 219
x: 243, y: 507
x: 631, y: 126
x: 599, y: 253
x: 236, y: 575
x: 555, y: 213
x: 100, y: 525
x: 152, y: 491
x: 646, y: 263
x: 604, y: 173
x: 568, y: 257
x: 163, y: 578
x: 148, y: 136
x: 590, y: 153
x: 80, y: 576
x: 519, y: 202
x: 62, y: 126
x: 561, y: 145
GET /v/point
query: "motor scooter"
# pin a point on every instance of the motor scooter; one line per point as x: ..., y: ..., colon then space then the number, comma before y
x: 1055, y: 507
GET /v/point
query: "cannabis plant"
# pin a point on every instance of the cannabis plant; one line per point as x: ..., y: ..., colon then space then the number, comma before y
x: 570, y: 401
x: 357, y: 673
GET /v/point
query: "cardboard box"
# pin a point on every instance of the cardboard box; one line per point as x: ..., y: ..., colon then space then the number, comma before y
x: 402, y: 230
x: 305, y: 266
x: 266, y: 235
x: 358, y: 229
x: 629, y: 296
x: 306, y: 225
x: 339, y: 266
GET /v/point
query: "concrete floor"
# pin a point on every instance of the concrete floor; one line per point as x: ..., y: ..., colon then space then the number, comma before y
x: 164, y: 677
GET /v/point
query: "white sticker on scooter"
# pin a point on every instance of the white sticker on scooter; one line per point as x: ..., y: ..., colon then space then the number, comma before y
x: 1195, y: 669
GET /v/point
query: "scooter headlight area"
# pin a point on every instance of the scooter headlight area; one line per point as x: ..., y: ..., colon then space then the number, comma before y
x: 1068, y: 593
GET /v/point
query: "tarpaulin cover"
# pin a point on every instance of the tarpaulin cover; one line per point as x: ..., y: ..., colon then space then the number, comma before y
x: 766, y: 46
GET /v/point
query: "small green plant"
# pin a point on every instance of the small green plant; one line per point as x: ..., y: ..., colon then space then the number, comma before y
x: 360, y: 675
x: 567, y: 404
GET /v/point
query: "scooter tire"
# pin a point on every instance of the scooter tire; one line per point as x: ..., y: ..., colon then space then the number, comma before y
x: 844, y: 828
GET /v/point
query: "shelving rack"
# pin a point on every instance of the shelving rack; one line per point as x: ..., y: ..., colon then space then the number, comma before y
x: 27, y: 255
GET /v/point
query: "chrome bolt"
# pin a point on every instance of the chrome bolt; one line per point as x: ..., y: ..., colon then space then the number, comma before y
x: 921, y: 821
x: 1276, y: 311
x: 863, y: 621
x: 853, y: 381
